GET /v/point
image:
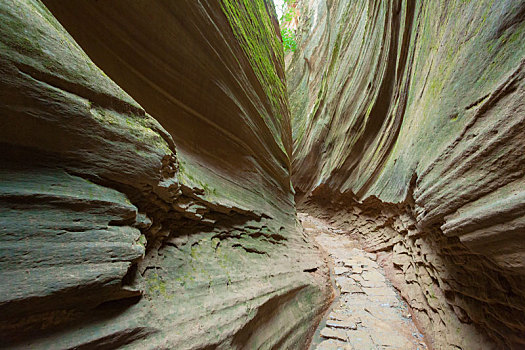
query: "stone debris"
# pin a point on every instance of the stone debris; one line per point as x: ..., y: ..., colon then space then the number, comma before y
x: 332, y: 344
x: 341, y: 324
x: 334, y: 333
x: 371, y: 256
x: 360, y: 339
x: 339, y: 316
x: 339, y: 270
x: 350, y: 288
x: 357, y: 269
x: 368, y: 313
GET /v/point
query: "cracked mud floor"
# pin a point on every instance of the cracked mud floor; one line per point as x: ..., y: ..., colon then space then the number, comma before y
x: 367, y: 312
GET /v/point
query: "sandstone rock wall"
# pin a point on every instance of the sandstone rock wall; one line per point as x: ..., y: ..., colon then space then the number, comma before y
x: 416, y: 108
x: 145, y: 185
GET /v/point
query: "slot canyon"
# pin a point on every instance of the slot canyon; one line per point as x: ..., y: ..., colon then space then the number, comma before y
x: 174, y: 177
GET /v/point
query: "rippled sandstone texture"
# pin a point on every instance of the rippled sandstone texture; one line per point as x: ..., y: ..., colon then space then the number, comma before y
x: 408, y: 124
x: 145, y: 182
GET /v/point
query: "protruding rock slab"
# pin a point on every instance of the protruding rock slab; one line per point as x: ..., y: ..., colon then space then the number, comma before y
x: 334, y: 333
x: 118, y: 231
x: 341, y: 324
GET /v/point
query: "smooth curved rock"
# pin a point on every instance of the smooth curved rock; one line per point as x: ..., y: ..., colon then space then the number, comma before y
x: 146, y: 198
x: 168, y: 224
x: 420, y: 103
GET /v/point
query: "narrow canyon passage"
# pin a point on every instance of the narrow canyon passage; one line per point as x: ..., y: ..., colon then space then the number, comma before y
x: 154, y: 155
x: 367, y: 312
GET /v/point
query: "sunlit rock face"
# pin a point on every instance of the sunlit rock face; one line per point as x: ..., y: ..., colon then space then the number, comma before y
x: 145, y: 182
x: 409, y: 119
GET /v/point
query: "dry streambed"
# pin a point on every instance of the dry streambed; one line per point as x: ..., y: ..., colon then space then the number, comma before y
x: 367, y: 312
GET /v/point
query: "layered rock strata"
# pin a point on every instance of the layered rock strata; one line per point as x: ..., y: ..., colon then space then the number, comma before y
x: 145, y: 183
x: 408, y: 117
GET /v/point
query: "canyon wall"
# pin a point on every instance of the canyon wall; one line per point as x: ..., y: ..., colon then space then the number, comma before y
x: 408, y: 124
x: 145, y: 184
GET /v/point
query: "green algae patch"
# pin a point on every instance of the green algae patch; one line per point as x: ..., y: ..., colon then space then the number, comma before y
x: 251, y: 22
x: 155, y: 285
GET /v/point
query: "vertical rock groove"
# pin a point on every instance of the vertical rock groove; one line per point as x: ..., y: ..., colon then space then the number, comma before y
x: 145, y: 182
x: 155, y: 154
x: 414, y: 121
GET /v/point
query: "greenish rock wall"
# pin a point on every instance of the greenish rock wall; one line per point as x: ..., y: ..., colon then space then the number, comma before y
x: 145, y: 187
x: 410, y: 114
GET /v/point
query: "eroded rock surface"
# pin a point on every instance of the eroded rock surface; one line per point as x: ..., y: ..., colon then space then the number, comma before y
x: 145, y: 179
x: 367, y: 312
x: 408, y: 123
x: 146, y: 195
